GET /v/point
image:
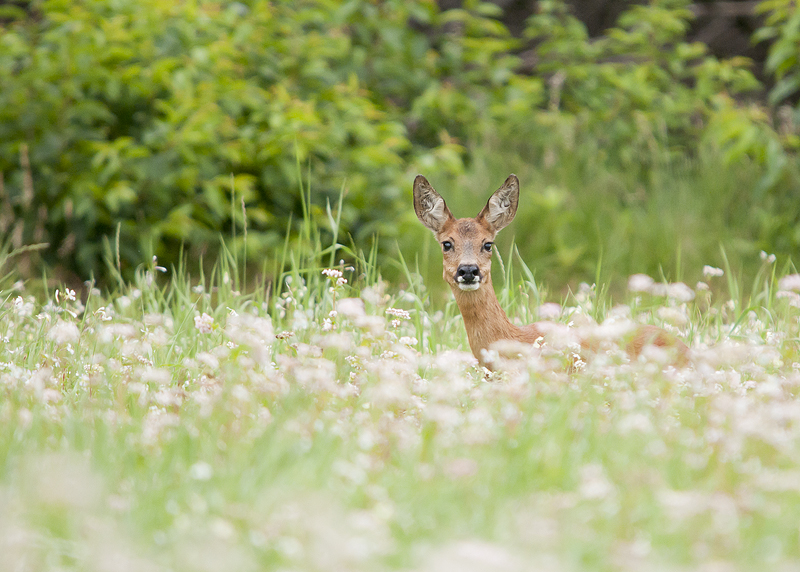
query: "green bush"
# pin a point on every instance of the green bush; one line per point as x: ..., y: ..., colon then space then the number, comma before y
x: 151, y: 115
x: 639, y: 88
x: 782, y: 28
x: 161, y: 124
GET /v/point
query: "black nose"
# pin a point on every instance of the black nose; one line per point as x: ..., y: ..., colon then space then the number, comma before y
x: 468, y: 273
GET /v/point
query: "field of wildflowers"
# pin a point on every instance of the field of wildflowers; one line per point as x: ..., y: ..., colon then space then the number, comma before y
x: 339, y: 424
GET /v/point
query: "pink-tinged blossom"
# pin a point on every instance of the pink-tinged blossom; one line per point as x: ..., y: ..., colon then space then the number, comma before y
x: 204, y: 323
x: 790, y: 282
x: 550, y: 311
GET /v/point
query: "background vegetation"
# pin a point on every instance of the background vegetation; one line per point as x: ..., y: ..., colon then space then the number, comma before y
x: 249, y: 411
x: 159, y: 125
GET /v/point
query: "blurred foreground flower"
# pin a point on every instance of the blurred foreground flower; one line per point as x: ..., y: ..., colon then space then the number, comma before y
x: 64, y: 333
x: 204, y: 323
x: 790, y: 282
x: 640, y: 283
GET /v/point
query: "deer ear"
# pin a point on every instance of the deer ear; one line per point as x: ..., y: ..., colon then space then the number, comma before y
x: 429, y: 205
x: 502, y: 205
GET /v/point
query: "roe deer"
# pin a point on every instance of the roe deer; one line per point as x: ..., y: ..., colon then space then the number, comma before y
x: 467, y: 251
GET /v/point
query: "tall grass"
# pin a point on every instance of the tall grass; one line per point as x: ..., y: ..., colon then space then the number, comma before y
x: 580, y: 213
x: 190, y: 421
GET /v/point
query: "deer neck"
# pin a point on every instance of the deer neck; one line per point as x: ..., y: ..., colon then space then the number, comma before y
x: 484, y: 319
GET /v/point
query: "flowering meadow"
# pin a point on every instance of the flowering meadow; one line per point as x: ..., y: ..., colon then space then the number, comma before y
x: 333, y: 422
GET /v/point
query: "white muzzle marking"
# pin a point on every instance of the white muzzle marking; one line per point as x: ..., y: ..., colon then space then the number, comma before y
x: 468, y: 287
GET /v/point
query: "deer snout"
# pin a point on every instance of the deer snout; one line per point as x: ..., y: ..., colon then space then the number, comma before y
x: 468, y: 276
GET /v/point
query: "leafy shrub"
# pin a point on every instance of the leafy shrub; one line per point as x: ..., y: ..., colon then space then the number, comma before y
x: 782, y: 28
x: 159, y: 120
x: 162, y: 117
x: 161, y: 124
x: 639, y: 87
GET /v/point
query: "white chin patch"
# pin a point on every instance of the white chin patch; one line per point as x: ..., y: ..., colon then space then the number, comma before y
x: 469, y: 287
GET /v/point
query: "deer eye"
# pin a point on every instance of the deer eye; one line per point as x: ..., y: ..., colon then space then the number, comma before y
x: 447, y: 245
x: 487, y: 246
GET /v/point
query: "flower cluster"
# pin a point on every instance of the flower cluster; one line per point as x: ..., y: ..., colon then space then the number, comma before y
x: 336, y: 276
x: 316, y: 432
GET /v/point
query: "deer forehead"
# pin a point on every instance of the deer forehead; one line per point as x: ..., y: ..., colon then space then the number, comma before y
x: 466, y: 230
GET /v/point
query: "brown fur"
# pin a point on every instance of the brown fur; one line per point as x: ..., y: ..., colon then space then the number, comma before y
x: 486, y: 322
x: 466, y: 240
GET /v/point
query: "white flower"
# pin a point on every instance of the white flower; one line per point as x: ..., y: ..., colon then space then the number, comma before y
x: 640, y: 283
x: 404, y: 314
x: 674, y: 316
x: 709, y: 271
x: 253, y: 332
x: 201, y: 471
x: 680, y: 292
x: 352, y: 308
x: 64, y: 333
x: 204, y: 323
x: 209, y: 360
x: 793, y: 297
x: 332, y: 273
x: 22, y: 308
x: 156, y: 266
x: 103, y: 314
x: 155, y: 375
x: 550, y: 311
x: 768, y: 258
x: 790, y: 282
x: 594, y: 484
x: 300, y: 320
x: 166, y: 398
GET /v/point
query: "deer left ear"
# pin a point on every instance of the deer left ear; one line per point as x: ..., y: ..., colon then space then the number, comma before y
x: 429, y: 205
x: 502, y: 205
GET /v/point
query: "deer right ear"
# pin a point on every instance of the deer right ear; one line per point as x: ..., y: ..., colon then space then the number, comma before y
x: 502, y: 205
x: 429, y: 205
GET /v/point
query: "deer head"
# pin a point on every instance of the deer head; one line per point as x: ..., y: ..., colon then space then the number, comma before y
x: 466, y: 242
x: 467, y: 252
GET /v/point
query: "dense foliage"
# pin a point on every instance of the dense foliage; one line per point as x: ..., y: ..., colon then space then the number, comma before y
x: 782, y: 29
x: 159, y: 124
